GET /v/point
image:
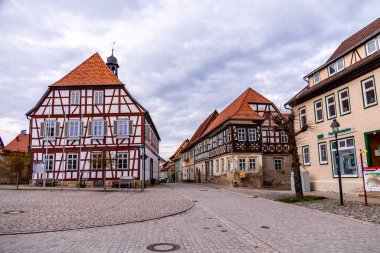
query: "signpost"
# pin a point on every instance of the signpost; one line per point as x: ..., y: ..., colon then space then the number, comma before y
x: 361, y: 162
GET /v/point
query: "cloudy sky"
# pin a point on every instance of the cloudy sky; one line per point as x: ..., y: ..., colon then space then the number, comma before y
x: 180, y: 59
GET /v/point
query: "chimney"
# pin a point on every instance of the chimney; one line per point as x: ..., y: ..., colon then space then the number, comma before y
x: 23, y: 132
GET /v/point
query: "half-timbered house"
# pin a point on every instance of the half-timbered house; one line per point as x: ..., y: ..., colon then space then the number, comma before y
x: 242, y: 145
x: 88, y: 127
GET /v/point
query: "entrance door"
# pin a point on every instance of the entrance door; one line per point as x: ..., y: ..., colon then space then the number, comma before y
x: 374, y: 141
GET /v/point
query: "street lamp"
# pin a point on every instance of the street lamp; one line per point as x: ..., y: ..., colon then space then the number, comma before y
x: 142, y: 146
x: 335, y: 128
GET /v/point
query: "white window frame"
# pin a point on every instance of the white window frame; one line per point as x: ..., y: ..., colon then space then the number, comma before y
x: 316, y: 78
x: 123, y: 158
x: 74, y: 97
x: 95, y: 125
x: 302, y: 114
x: 71, y: 131
x: 277, y: 164
x: 364, y: 92
x: 335, y: 67
x: 241, y: 134
x: 329, y: 116
x: 284, y: 137
x: 374, y: 40
x: 341, y: 100
x: 242, y: 164
x: 50, y: 124
x: 252, y: 163
x: 252, y: 134
x: 122, y: 124
x: 306, y: 155
x: 72, y: 158
x: 316, y: 109
x: 49, y: 162
x: 98, y: 97
x: 320, y: 153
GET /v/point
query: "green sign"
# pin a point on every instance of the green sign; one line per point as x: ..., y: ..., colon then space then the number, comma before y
x: 332, y: 134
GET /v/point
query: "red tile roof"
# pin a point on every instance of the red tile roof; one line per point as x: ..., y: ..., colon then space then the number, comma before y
x: 239, y: 109
x: 203, y: 126
x: 92, y: 71
x: 356, y: 39
x: 18, y: 144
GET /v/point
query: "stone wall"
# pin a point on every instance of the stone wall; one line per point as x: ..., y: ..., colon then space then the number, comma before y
x: 277, y: 178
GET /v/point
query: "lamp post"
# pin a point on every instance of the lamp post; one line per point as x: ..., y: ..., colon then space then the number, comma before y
x: 142, y: 146
x: 335, y: 128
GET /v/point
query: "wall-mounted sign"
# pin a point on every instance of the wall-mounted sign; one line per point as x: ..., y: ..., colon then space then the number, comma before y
x: 332, y: 134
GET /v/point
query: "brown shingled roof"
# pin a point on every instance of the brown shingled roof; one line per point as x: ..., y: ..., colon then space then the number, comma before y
x: 18, y: 144
x: 356, y: 39
x: 239, y: 109
x: 92, y: 71
x: 203, y: 126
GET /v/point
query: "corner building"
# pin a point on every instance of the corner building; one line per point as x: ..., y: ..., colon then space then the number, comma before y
x: 344, y: 88
x: 87, y: 127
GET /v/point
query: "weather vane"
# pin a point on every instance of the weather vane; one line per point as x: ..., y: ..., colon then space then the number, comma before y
x: 113, y: 46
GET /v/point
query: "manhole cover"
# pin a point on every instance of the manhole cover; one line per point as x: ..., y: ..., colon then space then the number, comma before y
x: 219, y: 226
x: 14, y: 212
x: 254, y: 197
x: 204, y: 190
x: 195, y: 200
x: 163, y: 247
x: 223, y: 231
x: 206, y: 228
x: 266, y: 227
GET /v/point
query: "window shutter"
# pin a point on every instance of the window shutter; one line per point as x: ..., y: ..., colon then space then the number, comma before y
x: 89, y: 128
x: 66, y: 127
x: 115, y: 128
x: 105, y: 128
x: 42, y: 129
x: 130, y: 125
x: 81, y: 128
x: 57, y: 130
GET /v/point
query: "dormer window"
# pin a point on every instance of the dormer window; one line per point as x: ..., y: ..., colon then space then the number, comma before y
x: 372, y: 46
x: 317, y: 78
x: 336, y: 67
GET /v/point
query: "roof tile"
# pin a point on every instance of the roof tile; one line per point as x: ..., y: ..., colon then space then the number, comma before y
x: 18, y: 144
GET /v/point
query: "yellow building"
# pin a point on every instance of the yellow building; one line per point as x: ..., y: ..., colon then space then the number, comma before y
x: 345, y: 88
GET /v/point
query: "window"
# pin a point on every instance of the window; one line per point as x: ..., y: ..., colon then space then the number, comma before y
x: 369, y: 92
x: 318, y: 110
x: 302, y: 117
x: 317, y: 78
x: 347, y: 159
x: 220, y: 139
x: 242, y: 164
x: 97, y: 128
x: 371, y: 46
x: 96, y: 161
x: 284, y: 137
x: 222, y: 165
x: 241, y: 134
x: 344, y: 102
x: 252, y: 134
x: 98, y: 97
x: 49, y: 162
x: 229, y: 165
x: 322, y: 149
x: 122, y: 161
x: 278, y: 164
x: 330, y: 105
x: 73, y: 129
x: 74, y: 97
x: 306, y: 155
x: 72, y: 161
x: 336, y: 67
x: 228, y: 133
x: 122, y: 127
x: 252, y: 163
x: 217, y: 165
x: 50, y: 129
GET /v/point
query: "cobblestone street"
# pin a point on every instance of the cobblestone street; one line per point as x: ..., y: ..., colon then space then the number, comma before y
x: 220, y: 221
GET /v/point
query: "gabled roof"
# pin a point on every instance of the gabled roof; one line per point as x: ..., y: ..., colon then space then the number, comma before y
x: 92, y: 71
x: 1, y: 143
x: 356, y: 39
x: 204, y: 126
x: 18, y: 144
x: 239, y: 109
x: 176, y: 154
x: 352, y: 42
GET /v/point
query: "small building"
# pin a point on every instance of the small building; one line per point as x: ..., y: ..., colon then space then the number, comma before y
x: 88, y: 128
x: 345, y: 88
x: 176, y: 160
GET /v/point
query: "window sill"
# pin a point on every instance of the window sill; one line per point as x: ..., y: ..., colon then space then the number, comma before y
x: 122, y: 137
x: 97, y: 137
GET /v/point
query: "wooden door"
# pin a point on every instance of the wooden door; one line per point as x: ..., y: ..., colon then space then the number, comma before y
x: 375, y: 148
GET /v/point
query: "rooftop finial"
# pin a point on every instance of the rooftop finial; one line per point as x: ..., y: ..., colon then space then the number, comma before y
x: 113, y: 45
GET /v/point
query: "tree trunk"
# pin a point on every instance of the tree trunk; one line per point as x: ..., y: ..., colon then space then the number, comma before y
x: 17, y: 179
x: 295, y: 158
